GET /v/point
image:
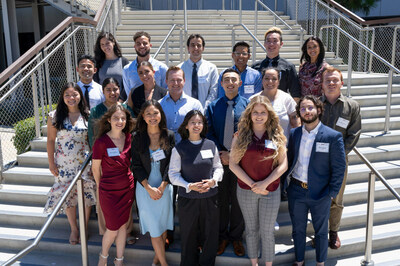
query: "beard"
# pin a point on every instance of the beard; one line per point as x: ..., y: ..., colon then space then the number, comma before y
x: 142, y: 54
x: 309, y: 120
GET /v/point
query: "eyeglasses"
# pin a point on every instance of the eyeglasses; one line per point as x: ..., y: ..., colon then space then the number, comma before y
x: 308, y: 108
x: 239, y: 54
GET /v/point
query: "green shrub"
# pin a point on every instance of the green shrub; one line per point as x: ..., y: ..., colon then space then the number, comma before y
x: 25, y: 131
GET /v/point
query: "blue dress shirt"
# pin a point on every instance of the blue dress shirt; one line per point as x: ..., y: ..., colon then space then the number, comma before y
x: 176, y: 111
x: 216, y: 113
x: 251, y: 82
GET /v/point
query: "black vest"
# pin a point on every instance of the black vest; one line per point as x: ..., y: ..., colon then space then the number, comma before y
x: 194, y: 168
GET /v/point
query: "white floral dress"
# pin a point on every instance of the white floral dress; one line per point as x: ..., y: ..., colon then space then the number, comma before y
x: 72, y: 149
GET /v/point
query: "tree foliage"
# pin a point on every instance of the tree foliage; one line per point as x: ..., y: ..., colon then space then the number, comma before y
x: 358, y: 5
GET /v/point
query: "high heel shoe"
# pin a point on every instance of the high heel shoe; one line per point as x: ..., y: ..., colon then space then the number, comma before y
x: 102, y: 260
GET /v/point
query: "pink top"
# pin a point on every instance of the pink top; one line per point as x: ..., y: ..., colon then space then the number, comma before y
x: 311, y: 85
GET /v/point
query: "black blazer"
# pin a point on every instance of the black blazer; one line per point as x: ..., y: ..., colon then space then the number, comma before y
x: 141, y: 162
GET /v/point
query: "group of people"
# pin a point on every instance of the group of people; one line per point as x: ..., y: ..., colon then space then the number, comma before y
x: 226, y: 149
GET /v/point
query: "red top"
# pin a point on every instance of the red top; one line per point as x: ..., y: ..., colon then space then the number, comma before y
x: 255, y: 165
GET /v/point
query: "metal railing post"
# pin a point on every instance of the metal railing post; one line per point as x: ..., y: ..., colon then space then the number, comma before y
x: 181, y: 45
x: 301, y: 39
x: 35, y: 104
x: 151, y: 5
x: 349, y: 69
x: 240, y: 11
x: 233, y: 40
x: 254, y: 56
x: 297, y: 12
x: 388, y: 98
x: 185, y: 25
x: 223, y: 4
x: 82, y: 223
x: 372, y: 48
x: 316, y: 19
x: 337, y: 39
x: 167, y: 53
x: 119, y: 12
x: 68, y: 61
x: 276, y: 5
x: 370, y: 220
x: 394, y: 45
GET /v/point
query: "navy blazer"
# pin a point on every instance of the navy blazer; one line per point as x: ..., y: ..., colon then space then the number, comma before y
x: 326, y: 169
x: 141, y: 161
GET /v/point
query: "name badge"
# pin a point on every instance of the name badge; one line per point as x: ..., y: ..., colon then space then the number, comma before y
x: 248, y: 89
x: 202, y: 79
x: 158, y: 155
x: 322, y: 147
x: 343, y: 123
x: 112, y: 152
x: 269, y: 144
x: 206, y: 154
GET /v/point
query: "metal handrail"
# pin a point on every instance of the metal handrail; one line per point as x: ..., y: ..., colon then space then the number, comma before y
x: 372, y: 53
x: 165, y: 42
x: 101, y: 25
x: 255, y: 40
x: 370, y: 204
x: 270, y: 10
x: 81, y: 208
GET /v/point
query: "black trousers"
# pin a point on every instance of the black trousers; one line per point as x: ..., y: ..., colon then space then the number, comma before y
x: 231, y: 223
x: 198, y: 218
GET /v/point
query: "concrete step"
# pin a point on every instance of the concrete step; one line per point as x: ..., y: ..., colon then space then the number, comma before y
x: 360, y: 78
x: 374, y: 124
x: 379, y: 111
x: 374, y: 100
x: 377, y: 138
x: 205, y: 20
x: 196, y: 12
x: 375, y: 154
x: 371, y: 89
x: 29, y: 175
x: 39, y: 144
x: 360, y: 172
x: 33, y: 159
x: 23, y: 194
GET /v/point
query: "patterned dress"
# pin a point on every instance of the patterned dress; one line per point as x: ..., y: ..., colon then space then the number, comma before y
x: 72, y: 149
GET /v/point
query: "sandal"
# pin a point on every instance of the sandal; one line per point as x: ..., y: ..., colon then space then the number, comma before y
x: 102, y: 259
x: 119, y: 261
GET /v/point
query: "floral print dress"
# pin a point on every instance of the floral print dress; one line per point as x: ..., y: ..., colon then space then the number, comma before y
x: 311, y: 84
x: 72, y: 149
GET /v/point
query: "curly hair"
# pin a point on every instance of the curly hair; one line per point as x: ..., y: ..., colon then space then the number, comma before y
x: 104, y: 125
x: 141, y: 126
x: 245, y: 131
x: 62, y: 108
x: 99, y: 55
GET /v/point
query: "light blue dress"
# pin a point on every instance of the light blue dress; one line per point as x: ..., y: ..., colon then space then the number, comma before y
x: 155, y: 216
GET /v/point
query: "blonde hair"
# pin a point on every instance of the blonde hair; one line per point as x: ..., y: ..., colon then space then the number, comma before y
x: 273, y: 30
x: 245, y: 131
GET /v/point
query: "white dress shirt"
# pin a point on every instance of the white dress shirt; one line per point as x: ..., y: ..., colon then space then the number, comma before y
x: 207, y: 74
x: 96, y: 95
x: 300, y: 171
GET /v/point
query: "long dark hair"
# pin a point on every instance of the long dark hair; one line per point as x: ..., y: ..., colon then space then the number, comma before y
x: 141, y: 126
x: 62, y: 109
x: 182, y: 129
x: 306, y: 58
x: 104, y: 126
x: 99, y: 55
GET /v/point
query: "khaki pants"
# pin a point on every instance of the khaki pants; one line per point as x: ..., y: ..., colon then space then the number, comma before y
x: 337, y: 205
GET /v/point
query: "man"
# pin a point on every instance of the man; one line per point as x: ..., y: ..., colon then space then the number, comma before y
x: 289, y: 81
x: 251, y: 78
x: 92, y: 91
x: 130, y: 76
x: 316, y: 167
x: 176, y: 104
x: 343, y: 115
x: 201, y: 75
x: 223, y: 116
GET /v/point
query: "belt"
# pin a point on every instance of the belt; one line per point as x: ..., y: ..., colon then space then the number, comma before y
x: 299, y: 183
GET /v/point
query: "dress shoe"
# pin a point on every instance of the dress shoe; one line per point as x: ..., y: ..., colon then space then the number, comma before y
x: 238, y: 248
x: 222, y: 246
x: 334, y: 241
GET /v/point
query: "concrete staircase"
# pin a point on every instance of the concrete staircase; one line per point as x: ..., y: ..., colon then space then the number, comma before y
x: 23, y: 195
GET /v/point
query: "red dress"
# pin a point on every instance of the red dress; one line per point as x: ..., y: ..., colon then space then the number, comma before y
x: 255, y: 165
x: 116, y: 189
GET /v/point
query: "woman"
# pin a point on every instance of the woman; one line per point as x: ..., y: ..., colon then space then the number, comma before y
x: 110, y: 165
x: 148, y: 90
x: 68, y: 124
x: 196, y: 168
x: 258, y: 159
x: 282, y: 102
x: 151, y: 151
x: 312, y: 65
x: 109, y: 59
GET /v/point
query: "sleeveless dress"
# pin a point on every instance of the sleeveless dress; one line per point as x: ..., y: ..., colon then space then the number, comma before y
x: 72, y: 149
x: 116, y: 188
x: 155, y: 216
